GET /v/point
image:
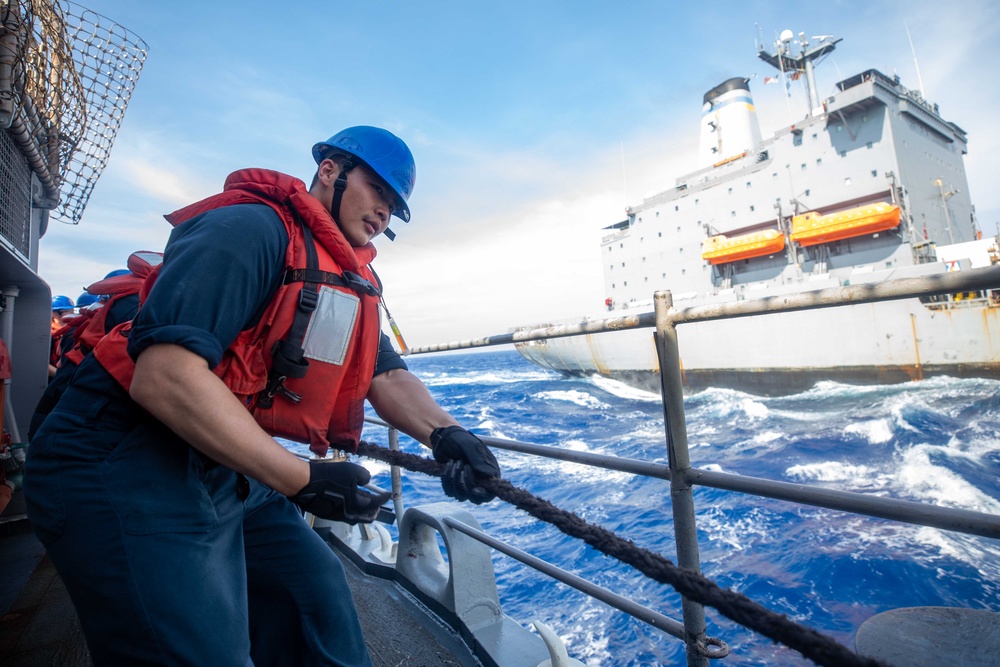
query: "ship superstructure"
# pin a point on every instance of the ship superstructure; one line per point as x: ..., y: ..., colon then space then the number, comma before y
x: 869, y: 185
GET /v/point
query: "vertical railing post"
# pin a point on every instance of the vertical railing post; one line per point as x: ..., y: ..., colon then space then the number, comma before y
x: 397, y: 483
x: 681, y: 496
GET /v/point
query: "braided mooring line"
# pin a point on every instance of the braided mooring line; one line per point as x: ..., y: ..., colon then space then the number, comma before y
x: 810, y: 643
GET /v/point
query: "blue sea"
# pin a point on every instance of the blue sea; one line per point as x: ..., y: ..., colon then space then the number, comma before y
x: 935, y: 441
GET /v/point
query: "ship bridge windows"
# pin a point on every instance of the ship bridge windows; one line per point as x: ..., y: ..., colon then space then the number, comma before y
x: 803, y: 166
x: 819, y: 161
x: 874, y: 173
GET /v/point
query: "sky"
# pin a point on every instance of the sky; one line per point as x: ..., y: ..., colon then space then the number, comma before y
x: 533, y: 124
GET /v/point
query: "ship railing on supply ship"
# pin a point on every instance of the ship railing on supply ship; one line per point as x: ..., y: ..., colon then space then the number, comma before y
x: 683, y: 477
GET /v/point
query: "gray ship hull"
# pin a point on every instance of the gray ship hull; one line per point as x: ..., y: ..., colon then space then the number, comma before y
x: 880, y: 343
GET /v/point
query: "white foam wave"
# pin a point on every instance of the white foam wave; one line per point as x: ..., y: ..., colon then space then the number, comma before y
x: 489, y: 377
x: 831, y: 471
x: 622, y: 390
x: 919, y: 476
x: 574, y: 396
x: 728, y: 403
x: 875, y: 431
x: 735, y: 532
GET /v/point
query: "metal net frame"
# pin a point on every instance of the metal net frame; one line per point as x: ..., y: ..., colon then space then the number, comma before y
x: 66, y: 77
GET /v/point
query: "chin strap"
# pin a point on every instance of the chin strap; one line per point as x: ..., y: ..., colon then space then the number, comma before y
x: 338, y: 189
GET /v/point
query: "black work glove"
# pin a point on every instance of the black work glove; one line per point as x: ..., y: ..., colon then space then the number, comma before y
x: 466, y: 457
x: 334, y: 492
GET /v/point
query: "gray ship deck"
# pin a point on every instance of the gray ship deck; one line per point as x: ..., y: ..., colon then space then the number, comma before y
x: 39, y: 626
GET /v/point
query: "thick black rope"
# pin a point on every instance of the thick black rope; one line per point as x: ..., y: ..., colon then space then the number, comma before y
x: 812, y: 644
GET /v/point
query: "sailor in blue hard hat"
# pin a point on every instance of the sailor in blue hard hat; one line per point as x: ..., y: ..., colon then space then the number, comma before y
x: 379, y: 153
x: 62, y: 307
x: 87, y: 299
x: 62, y: 304
x: 263, y: 321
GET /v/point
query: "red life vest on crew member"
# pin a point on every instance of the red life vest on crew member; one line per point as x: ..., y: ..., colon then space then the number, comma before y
x: 68, y: 328
x: 325, y: 405
x: 116, y: 288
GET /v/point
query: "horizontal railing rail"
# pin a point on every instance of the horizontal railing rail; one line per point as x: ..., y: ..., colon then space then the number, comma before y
x: 630, y: 607
x: 971, y: 280
x: 906, y: 511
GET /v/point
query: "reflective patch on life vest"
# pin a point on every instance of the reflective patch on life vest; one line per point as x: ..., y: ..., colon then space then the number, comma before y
x: 331, y: 326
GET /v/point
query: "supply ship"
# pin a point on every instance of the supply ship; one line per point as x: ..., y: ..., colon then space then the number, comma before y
x: 869, y: 186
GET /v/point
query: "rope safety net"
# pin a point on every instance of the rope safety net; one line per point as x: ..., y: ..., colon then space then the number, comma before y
x: 66, y: 77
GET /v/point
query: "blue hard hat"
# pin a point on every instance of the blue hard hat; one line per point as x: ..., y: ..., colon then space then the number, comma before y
x: 381, y: 150
x: 86, y: 299
x: 60, y: 302
x: 117, y: 272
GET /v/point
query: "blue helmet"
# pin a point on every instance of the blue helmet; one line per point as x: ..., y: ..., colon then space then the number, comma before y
x: 86, y: 299
x: 116, y: 272
x: 60, y: 302
x: 381, y: 150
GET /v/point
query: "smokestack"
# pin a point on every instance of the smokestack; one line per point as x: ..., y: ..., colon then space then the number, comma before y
x: 728, y: 122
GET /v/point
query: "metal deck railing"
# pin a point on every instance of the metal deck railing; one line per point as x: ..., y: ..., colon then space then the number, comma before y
x: 683, y: 477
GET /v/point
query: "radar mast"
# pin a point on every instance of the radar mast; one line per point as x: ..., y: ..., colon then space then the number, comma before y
x: 791, y: 64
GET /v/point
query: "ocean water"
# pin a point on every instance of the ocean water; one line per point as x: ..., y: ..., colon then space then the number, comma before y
x: 935, y: 441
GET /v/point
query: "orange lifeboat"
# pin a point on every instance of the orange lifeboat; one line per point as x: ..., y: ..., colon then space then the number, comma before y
x: 720, y: 249
x: 811, y: 228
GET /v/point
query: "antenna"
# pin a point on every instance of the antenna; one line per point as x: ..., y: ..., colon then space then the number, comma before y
x: 920, y: 81
x: 624, y: 179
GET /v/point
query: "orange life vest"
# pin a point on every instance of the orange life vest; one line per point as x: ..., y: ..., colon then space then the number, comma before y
x: 116, y: 288
x: 69, y: 325
x: 337, y: 328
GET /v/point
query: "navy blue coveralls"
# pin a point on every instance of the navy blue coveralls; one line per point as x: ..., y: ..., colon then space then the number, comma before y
x: 166, y: 555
